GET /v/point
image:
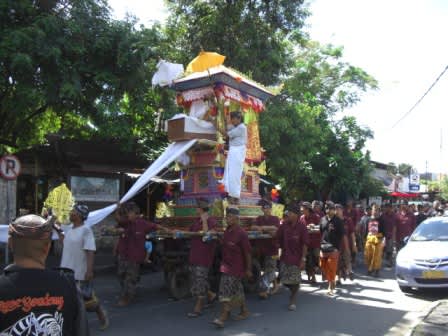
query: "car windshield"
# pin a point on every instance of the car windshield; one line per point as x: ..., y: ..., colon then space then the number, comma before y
x: 430, y: 231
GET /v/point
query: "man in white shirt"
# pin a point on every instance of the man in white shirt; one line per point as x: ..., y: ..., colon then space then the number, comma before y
x: 236, y: 156
x: 78, y: 255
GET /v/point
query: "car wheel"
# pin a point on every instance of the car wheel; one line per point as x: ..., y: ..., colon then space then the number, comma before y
x: 406, y: 289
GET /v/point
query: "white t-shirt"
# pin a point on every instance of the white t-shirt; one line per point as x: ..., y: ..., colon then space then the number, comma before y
x: 76, y: 242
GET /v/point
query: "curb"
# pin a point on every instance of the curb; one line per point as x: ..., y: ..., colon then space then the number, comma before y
x: 411, y: 320
x: 418, y: 329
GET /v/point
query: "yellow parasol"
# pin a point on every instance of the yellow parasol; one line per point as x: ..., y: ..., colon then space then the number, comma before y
x: 204, y: 61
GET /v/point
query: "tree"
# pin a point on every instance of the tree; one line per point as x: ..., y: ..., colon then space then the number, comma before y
x: 253, y: 34
x: 64, y: 65
x: 312, y: 152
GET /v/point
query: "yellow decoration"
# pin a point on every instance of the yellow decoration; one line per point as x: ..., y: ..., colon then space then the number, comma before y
x: 60, y: 201
x: 278, y: 209
x: 163, y: 210
x: 262, y: 168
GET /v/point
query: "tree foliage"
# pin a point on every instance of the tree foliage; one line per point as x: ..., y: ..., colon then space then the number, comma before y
x: 64, y: 64
x: 312, y: 152
x: 254, y: 35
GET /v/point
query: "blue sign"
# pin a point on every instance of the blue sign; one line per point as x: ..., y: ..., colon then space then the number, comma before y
x: 414, y: 187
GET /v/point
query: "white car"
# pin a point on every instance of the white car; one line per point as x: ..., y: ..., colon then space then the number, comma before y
x: 423, y: 261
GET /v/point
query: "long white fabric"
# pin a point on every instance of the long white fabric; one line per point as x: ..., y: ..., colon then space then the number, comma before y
x: 169, y: 155
x: 195, y: 125
x: 233, y: 170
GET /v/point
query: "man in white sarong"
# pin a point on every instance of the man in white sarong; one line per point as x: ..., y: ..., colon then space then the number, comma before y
x: 233, y: 170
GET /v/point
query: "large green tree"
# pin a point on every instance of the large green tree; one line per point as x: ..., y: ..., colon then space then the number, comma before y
x: 311, y: 150
x: 64, y: 65
x: 253, y: 34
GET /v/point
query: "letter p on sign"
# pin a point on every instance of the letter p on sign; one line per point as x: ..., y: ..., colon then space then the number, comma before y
x: 9, y: 167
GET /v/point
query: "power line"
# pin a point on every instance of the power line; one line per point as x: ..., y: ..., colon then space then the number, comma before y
x: 424, y: 95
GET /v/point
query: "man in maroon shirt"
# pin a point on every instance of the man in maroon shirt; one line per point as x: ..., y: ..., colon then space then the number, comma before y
x: 131, y: 248
x: 311, y: 221
x: 389, y: 220
x: 236, y: 263
x: 201, y: 258
x: 293, y: 240
x: 267, y: 248
x: 405, y: 224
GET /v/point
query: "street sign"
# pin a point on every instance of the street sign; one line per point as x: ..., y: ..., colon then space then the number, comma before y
x: 414, y: 187
x: 10, y: 167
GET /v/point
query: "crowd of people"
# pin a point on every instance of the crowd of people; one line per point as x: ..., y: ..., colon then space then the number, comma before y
x: 319, y: 238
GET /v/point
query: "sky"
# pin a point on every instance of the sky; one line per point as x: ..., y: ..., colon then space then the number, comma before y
x: 401, y: 43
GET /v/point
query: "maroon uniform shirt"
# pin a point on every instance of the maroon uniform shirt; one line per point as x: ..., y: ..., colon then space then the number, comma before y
x: 389, y: 221
x: 405, y: 225
x: 267, y: 247
x: 292, y: 239
x: 131, y: 244
x: 202, y: 254
x: 314, y: 237
x: 235, y: 244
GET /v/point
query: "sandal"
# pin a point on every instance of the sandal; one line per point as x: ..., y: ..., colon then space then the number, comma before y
x: 242, y: 316
x: 218, y: 323
x: 194, y: 314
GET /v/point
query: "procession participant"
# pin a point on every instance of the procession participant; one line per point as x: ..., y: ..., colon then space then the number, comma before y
x: 317, y: 208
x: 237, y: 134
x: 352, y: 216
x: 332, y: 230
x: 348, y: 245
x: 420, y: 216
x: 131, y: 248
x: 405, y: 224
x: 311, y: 221
x: 236, y: 264
x: 201, y: 258
x: 389, y: 220
x: 78, y: 254
x: 293, y: 240
x: 34, y: 300
x: 267, y: 249
x: 373, y: 251
x: 362, y: 226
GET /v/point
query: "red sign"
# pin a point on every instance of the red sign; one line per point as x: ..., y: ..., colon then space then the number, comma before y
x: 10, y: 167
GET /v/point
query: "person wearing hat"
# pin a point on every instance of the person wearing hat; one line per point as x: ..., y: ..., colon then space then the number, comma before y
x: 293, y: 239
x: 267, y: 249
x: 311, y: 222
x: 132, y: 230
x: 237, y: 134
x: 236, y: 263
x: 78, y: 254
x: 201, y: 258
x: 332, y: 230
x: 34, y: 300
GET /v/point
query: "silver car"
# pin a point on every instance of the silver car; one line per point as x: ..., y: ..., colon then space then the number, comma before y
x: 423, y: 261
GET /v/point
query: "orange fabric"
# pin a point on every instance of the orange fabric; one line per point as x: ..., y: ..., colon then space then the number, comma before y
x: 329, y: 265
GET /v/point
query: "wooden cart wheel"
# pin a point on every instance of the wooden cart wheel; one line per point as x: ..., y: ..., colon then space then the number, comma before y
x: 179, y: 284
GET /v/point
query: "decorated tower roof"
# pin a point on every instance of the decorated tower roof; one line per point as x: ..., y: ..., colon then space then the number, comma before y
x: 224, y: 76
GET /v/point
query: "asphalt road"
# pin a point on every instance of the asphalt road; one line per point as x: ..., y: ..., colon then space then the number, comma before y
x: 365, y: 306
